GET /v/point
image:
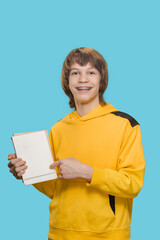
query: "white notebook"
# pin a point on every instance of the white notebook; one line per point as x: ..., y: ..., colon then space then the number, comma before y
x: 34, y: 148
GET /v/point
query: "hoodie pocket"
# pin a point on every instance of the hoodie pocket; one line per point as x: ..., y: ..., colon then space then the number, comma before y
x: 76, y: 207
x: 112, y: 203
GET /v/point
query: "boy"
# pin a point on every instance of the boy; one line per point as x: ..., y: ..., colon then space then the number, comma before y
x: 98, y: 156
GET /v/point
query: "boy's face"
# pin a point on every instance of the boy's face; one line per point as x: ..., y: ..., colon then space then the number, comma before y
x: 84, y: 76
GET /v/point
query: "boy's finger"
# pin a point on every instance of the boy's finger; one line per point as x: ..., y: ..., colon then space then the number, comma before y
x: 9, y: 164
x: 20, y: 163
x: 21, y: 173
x: 57, y: 163
x: 13, y: 161
x: 11, y: 169
x: 11, y: 156
x: 16, y: 160
x: 19, y: 169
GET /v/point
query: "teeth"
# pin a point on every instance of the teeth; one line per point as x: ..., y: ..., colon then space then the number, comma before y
x: 84, y: 88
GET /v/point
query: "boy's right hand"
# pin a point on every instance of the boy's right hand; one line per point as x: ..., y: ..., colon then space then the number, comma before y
x: 17, y: 166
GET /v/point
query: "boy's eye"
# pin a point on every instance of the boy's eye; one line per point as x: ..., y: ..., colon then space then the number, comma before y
x: 91, y: 73
x: 74, y: 73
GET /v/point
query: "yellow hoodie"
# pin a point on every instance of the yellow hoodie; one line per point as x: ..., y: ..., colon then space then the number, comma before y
x: 109, y: 141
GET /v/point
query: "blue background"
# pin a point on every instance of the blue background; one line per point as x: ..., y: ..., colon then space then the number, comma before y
x: 35, y: 38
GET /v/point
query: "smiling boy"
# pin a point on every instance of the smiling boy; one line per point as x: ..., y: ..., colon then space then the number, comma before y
x: 98, y: 155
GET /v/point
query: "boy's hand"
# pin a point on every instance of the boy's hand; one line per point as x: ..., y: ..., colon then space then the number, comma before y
x: 17, y: 166
x: 71, y: 168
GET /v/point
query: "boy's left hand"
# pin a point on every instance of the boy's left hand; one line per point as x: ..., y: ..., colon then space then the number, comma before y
x: 71, y: 168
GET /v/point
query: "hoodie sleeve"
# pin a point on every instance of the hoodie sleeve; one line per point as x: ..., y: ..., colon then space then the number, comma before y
x: 47, y: 187
x: 128, y: 179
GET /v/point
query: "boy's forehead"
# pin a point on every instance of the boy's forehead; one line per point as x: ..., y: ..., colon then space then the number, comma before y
x: 77, y: 65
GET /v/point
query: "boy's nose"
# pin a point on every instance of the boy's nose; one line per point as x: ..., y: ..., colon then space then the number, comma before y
x: 83, y: 78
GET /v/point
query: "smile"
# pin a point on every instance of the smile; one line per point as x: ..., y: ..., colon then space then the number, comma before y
x: 83, y: 88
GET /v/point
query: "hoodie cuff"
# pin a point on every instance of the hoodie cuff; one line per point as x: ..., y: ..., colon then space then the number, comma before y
x: 97, y: 178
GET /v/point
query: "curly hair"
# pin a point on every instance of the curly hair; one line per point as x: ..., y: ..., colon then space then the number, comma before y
x: 82, y: 56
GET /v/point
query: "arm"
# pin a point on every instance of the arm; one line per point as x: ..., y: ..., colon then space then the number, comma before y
x: 128, y: 179
x: 47, y: 187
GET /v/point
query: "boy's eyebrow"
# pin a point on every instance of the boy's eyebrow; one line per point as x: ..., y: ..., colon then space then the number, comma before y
x: 79, y: 68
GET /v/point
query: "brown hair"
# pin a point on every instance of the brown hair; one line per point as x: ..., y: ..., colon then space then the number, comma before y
x: 82, y: 56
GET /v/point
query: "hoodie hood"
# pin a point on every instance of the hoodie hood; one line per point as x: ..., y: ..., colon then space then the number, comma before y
x: 95, y: 113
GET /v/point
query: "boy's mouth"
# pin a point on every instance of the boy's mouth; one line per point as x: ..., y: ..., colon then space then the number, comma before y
x: 83, y: 88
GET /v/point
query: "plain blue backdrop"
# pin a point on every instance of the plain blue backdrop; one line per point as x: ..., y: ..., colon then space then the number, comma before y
x: 35, y: 38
